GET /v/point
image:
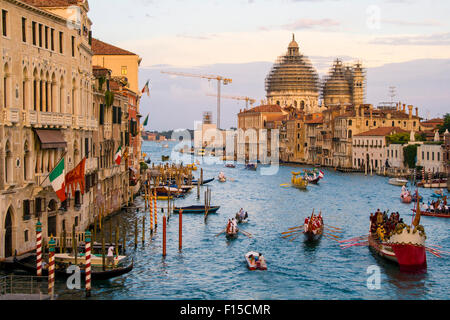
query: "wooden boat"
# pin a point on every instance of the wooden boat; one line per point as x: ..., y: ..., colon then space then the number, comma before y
x: 232, y: 235
x: 230, y: 165
x: 404, y: 245
x: 406, y: 197
x: 434, y: 183
x: 96, y: 259
x: 29, y: 265
x: 313, y: 236
x: 251, y: 166
x: 298, y: 181
x: 196, y: 209
x: 313, y: 180
x: 222, y: 179
x: 165, y: 158
x: 254, y: 265
x: 195, y: 182
x: 398, y: 181
x: 429, y: 213
x: 241, y: 220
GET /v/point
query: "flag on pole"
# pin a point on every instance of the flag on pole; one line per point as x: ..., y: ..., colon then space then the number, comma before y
x: 145, y: 121
x: 57, y: 180
x: 76, y: 177
x: 321, y: 174
x: 146, y: 89
x: 118, y: 155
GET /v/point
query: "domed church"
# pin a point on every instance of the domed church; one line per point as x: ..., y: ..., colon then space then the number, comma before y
x: 293, y: 81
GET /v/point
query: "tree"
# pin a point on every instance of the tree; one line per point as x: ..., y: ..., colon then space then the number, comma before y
x: 446, y: 125
x: 410, y: 155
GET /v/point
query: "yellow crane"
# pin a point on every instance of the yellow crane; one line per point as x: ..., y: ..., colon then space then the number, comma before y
x: 246, y: 99
x: 219, y: 79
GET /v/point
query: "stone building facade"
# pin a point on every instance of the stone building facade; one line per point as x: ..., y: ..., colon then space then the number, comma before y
x: 45, y: 115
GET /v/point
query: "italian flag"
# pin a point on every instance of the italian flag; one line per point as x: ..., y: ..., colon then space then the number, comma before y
x: 57, y: 177
x: 118, y: 155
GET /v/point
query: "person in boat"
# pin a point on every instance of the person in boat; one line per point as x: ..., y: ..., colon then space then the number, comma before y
x: 110, y: 256
x: 252, y: 259
x: 234, y: 225
x: 404, y: 189
x: 245, y: 215
x: 305, y: 226
x: 229, y: 226
x: 262, y: 260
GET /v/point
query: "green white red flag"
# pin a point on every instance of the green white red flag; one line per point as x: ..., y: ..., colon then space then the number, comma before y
x: 146, y: 89
x: 118, y: 155
x: 57, y: 179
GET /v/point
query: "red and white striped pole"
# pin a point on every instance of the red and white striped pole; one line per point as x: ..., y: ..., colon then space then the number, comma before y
x: 155, y: 210
x: 87, y: 269
x: 39, y: 248
x: 150, y: 204
x: 51, y: 267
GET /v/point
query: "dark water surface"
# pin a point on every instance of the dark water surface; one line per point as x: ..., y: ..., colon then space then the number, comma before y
x: 212, y: 267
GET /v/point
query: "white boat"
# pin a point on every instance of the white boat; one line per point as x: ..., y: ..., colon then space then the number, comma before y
x: 96, y: 259
x: 252, y: 265
x: 398, y: 181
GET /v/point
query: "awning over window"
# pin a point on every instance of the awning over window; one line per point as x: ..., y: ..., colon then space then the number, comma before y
x: 51, y: 139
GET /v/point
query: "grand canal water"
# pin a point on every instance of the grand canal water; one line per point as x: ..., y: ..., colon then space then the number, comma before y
x: 212, y: 267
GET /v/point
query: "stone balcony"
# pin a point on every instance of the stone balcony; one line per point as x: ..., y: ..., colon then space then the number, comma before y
x: 9, y: 116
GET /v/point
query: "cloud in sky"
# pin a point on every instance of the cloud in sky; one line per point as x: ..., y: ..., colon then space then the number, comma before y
x: 437, y: 39
x: 310, y: 24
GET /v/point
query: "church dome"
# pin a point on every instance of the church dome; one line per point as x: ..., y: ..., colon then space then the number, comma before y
x: 337, y: 82
x: 292, y: 72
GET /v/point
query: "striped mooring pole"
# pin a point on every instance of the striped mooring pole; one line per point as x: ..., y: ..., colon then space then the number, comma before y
x: 155, y: 210
x: 87, y: 269
x: 51, y: 266
x: 39, y: 248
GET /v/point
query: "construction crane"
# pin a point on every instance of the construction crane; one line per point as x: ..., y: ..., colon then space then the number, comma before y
x: 219, y: 79
x: 247, y: 99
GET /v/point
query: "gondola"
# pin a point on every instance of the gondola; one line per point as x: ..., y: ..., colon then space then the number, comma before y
x: 196, y: 209
x: 29, y: 265
x: 165, y: 158
x: 195, y: 182
x: 251, y: 166
x: 230, y: 165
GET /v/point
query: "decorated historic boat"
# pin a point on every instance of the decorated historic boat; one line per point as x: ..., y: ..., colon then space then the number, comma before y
x: 313, y: 176
x: 404, y: 244
x: 313, y: 228
x: 230, y: 165
x: 406, y: 197
x: 298, y: 181
x: 255, y: 261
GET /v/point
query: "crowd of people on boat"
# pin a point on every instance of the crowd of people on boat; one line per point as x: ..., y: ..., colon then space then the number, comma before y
x: 437, y: 206
x: 405, y: 192
x: 381, y: 226
x: 313, y: 223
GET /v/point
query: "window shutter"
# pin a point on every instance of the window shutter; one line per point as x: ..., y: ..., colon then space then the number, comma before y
x: 119, y: 115
x: 102, y: 115
x: 114, y: 115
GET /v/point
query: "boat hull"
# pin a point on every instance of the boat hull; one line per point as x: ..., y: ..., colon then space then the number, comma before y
x: 433, y: 214
x: 196, y: 209
x: 408, y: 256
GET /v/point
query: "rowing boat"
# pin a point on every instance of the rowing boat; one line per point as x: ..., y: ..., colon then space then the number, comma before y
x: 195, y: 182
x: 433, y: 214
x: 196, y: 209
x: 232, y: 235
x: 253, y: 264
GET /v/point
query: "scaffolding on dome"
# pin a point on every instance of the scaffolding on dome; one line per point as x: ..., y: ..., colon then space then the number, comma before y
x: 342, y: 80
x: 292, y: 72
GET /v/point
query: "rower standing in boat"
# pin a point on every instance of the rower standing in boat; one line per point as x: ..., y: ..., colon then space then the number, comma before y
x: 110, y: 256
x: 234, y: 225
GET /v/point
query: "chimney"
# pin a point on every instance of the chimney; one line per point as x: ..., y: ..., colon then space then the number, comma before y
x: 404, y: 107
x: 417, y: 112
x: 410, y: 108
x: 370, y: 110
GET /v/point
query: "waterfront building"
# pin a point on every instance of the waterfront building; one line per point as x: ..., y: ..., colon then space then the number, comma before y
x: 45, y: 115
x: 431, y: 157
x: 293, y: 81
x: 370, y: 149
x: 112, y: 180
x: 124, y: 66
x: 395, y: 157
x: 446, y: 156
x: 314, y: 140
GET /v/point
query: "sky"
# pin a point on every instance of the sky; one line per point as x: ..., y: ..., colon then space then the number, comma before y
x: 200, y: 35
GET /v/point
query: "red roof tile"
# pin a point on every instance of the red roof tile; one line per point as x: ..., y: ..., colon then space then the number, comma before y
x: 382, y: 131
x: 103, y: 48
x: 265, y: 108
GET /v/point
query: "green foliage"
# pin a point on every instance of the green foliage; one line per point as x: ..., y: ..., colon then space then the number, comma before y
x: 144, y: 166
x: 109, y: 98
x: 410, y: 155
x: 402, y: 138
x: 446, y: 125
x: 101, y: 81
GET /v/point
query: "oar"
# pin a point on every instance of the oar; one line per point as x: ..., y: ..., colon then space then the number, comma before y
x: 355, y: 238
x: 330, y: 237
x: 284, y: 184
x: 327, y: 225
x: 295, y: 237
x: 329, y: 234
x: 290, y: 235
x: 246, y: 233
x: 221, y: 232
x: 299, y: 227
x: 291, y: 231
x: 333, y: 230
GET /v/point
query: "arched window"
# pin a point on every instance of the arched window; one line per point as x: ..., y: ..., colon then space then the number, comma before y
x: 25, y: 89
x: 62, y: 109
x: 35, y: 89
x: 53, y: 97
x: 8, y: 163
x: 6, y: 86
x: 349, y: 134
